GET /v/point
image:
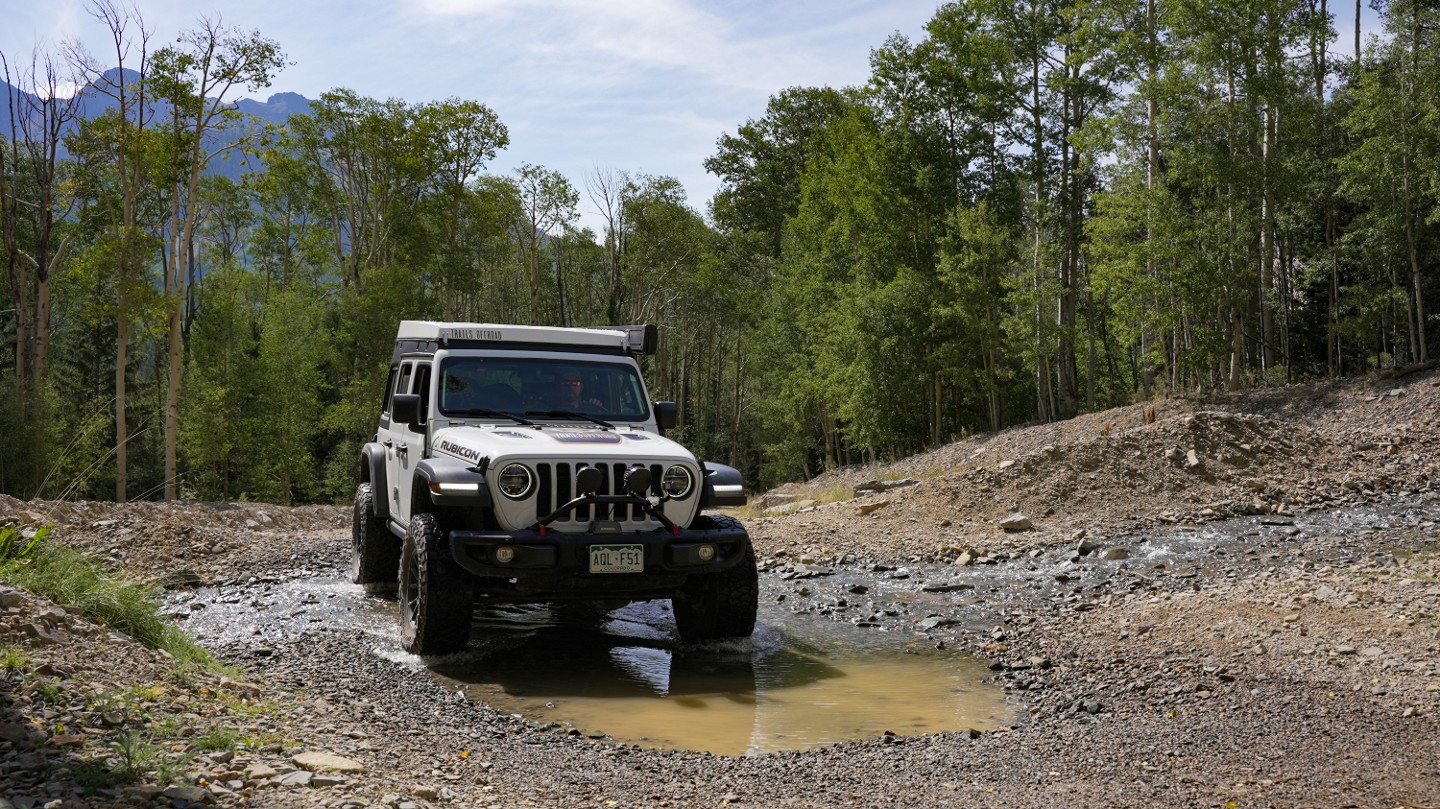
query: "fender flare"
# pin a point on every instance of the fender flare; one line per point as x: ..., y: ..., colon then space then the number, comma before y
x: 724, y: 486
x: 450, y: 482
x: 372, y: 469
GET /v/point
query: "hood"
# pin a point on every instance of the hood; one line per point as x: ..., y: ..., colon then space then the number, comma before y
x: 560, y: 441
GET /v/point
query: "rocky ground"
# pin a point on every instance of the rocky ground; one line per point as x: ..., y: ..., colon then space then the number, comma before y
x: 1292, y: 659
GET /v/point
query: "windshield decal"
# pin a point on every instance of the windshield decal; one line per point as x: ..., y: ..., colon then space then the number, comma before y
x: 585, y: 437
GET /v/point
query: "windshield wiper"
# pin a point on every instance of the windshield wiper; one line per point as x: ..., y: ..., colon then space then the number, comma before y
x: 484, y: 412
x: 569, y: 414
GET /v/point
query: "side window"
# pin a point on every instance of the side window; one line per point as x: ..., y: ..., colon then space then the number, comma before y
x: 402, y: 385
x: 389, y: 388
x: 422, y: 387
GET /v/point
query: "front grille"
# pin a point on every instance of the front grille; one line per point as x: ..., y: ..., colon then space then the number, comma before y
x: 556, y: 487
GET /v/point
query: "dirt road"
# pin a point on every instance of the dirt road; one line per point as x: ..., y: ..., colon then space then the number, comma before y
x: 1233, y: 602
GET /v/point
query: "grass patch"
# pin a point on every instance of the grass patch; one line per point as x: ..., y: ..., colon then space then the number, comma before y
x: 49, y: 692
x: 72, y: 579
x: 13, y: 659
x: 217, y: 739
x: 134, y: 756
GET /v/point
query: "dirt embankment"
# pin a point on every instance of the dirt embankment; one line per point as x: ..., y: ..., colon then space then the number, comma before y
x: 1123, y: 470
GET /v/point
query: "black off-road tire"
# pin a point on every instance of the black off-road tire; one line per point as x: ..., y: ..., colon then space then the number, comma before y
x: 436, y: 601
x: 712, y: 606
x: 374, y: 551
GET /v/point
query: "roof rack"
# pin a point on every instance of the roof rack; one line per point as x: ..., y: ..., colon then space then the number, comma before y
x: 642, y: 339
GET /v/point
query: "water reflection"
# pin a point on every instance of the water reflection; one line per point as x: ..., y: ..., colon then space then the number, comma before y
x: 798, y: 683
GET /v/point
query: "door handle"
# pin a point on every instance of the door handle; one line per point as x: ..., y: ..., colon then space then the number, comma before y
x: 403, y: 449
x: 388, y: 443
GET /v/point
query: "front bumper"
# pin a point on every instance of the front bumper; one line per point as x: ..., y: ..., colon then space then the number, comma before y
x: 555, y: 558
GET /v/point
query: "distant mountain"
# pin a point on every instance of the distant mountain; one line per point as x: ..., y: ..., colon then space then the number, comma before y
x: 277, y: 109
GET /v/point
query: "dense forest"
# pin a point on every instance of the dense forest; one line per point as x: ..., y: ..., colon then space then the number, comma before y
x: 1038, y: 209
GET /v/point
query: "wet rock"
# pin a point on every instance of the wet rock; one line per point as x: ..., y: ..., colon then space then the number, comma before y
x: 182, y: 579
x: 935, y: 621
x: 1085, y: 547
x: 954, y: 586
x: 1115, y: 554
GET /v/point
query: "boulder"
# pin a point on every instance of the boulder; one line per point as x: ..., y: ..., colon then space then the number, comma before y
x: 869, y: 508
x: 877, y: 486
x: 790, y: 508
x: 1016, y: 521
x: 320, y: 761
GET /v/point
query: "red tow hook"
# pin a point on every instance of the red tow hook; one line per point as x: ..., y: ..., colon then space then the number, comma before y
x: 675, y: 530
x: 542, y: 529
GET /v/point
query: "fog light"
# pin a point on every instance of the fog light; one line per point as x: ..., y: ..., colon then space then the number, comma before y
x: 706, y: 553
x: 504, y: 555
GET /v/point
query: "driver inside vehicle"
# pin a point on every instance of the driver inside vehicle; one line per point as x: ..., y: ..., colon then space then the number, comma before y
x: 572, y: 393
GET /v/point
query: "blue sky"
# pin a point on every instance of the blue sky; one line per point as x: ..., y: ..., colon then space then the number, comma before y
x: 637, y: 85
x: 640, y: 85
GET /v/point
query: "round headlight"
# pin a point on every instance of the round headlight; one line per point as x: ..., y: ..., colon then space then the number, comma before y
x: 515, y: 481
x: 677, y: 482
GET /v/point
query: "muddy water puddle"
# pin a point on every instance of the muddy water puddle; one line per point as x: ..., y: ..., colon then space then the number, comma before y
x: 798, y: 683
x: 624, y: 677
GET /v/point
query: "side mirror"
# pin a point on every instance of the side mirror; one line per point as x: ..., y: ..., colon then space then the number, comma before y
x: 405, y: 408
x: 666, y: 415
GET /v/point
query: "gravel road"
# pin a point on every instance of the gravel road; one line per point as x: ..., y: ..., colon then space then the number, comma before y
x: 1260, y: 628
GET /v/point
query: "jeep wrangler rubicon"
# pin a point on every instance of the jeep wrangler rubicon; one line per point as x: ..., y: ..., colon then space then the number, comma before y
x: 522, y: 464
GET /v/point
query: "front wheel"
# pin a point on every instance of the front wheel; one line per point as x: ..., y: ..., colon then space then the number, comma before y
x: 374, y: 551
x: 435, y: 599
x: 720, y: 605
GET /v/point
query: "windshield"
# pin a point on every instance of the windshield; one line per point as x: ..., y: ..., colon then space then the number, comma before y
x: 541, y: 387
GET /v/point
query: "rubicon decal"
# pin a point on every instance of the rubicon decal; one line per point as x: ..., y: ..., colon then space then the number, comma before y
x: 589, y: 437
x: 457, y: 449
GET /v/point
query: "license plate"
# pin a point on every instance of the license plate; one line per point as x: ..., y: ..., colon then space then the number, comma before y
x: 617, y: 558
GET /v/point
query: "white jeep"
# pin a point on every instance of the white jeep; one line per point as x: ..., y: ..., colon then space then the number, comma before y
x: 518, y: 464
